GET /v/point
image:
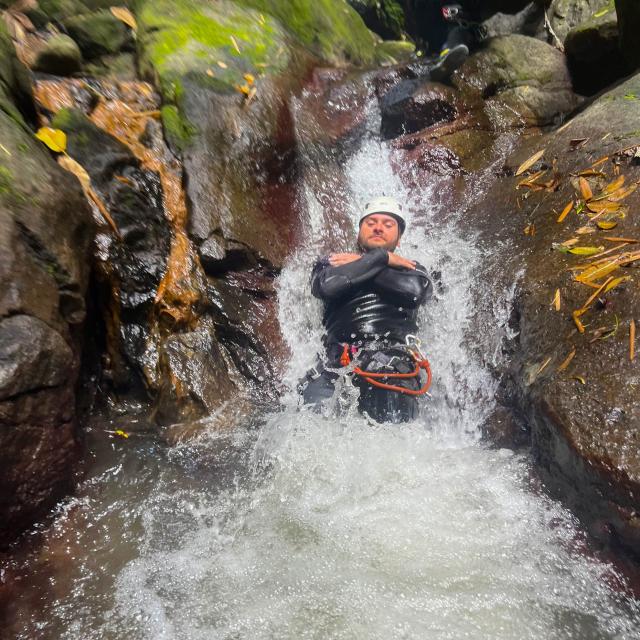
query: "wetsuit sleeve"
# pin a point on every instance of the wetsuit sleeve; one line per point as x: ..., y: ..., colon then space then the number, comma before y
x: 329, y: 282
x: 412, y: 287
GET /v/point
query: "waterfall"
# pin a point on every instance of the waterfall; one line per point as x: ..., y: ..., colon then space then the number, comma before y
x: 308, y: 527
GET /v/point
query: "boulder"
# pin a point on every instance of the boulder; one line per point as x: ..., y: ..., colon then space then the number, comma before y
x: 59, y: 56
x: 98, y: 33
x: 594, y: 55
x: 629, y: 26
x: 413, y: 105
x: 522, y: 80
x: 46, y: 230
x: 565, y: 15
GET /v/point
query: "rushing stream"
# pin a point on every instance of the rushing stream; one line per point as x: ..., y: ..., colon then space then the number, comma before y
x: 301, y: 526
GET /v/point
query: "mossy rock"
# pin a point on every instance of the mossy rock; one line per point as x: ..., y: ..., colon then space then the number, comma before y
x: 60, y: 9
x: 16, y: 97
x: 121, y: 66
x: 594, y: 55
x: 394, y: 51
x: 98, y: 33
x: 60, y: 56
x: 384, y: 17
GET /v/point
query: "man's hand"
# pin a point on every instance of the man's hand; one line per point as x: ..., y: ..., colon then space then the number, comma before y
x: 339, y: 259
x: 398, y: 262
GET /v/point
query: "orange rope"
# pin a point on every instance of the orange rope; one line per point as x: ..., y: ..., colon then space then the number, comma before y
x: 370, y: 377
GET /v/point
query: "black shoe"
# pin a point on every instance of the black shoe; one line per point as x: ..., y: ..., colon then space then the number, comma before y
x: 449, y: 61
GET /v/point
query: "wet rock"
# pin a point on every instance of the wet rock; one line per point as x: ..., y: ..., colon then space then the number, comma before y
x: 98, y: 33
x: 218, y: 256
x: 565, y: 15
x: 46, y: 230
x: 32, y: 356
x: 594, y: 55
x: 134, y: 264
x: 523, y: 81
x: 60, y: 56
x: 412, y: 105
x: 585, y: 419
x: 628, y: 13
x: 199, y: 379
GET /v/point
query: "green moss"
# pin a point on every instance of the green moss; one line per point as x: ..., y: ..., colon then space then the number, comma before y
x: 332, y: 29
x: 97, y: 33
x: 6, y: 180
x: 178, y: 132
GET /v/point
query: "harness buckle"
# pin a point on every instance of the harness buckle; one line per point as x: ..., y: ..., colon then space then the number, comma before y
x: 413, y: 344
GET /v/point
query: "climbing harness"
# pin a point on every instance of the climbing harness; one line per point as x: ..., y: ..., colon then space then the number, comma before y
x: 375, y: 379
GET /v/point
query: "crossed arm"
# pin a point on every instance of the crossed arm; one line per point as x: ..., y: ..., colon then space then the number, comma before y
x: 340, y: 273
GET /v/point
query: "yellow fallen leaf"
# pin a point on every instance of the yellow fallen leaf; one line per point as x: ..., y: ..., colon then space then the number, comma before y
x: 613, y: 186
x: 576, y: 319
x: 565, y: 212
x: 606, y: 225
x: 556, y: 300
x: 600, y: 161
x: 567, y: 361
x: 530, y: 162
x: 124, y: 15
x: 621, y: 194
x: 235, y: 44
x: 614, y: 239
x: 581, y: 231
x: 580, y: 379
x: 591, y: 298
x: 585, y: 251
x: 210, y: 73
x: 121, y: 433
x: 249, y: 78
x: 222, y: 65
x: 615, y: 282
x: 55, y: 139
x: 585, y: 189
x: 244, y: 89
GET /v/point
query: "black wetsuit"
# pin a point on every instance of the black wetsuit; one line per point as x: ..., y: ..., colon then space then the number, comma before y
x: 371, y: 307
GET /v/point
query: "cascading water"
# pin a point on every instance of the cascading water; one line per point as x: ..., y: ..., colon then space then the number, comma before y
x: 311, y: 527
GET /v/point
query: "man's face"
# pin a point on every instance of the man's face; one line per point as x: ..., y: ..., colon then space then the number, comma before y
x: 379, y: 230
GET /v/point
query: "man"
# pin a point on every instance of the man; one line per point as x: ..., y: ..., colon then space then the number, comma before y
x: 371, y: 301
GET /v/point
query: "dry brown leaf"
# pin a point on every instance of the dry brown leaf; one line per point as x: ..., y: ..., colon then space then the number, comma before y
x: 68, y: 163
x: 124, y: 15
x: 600, y: 161
x: 593, y: 296
x: 529, y: 180
x: 565, y: 212
x: 570, y: 242
x: 222, y: 65
x: 590, y: 172
x: 603, y: 205
x: 530, y: 162
x: 576, y: 319
x: 543, y: 366
x: 581, y: 231
x: 556, y: 300
x: 632, y: 340
x: 614, y: 186
x: 626, y: 240
x: 585, y: 189
x: 567, y: 361
x: 577, y: 143
x: 621, y: 194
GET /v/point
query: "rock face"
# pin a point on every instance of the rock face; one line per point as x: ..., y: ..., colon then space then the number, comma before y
x: 522, y: 80
x: 584, y: 418
x: 594, y: 55
x: 227, y: 88
x: 629, y: 23
x: 45, y: 234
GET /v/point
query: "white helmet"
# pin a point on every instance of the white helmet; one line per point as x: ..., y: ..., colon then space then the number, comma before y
x: 385, y: 205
